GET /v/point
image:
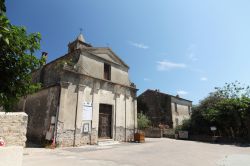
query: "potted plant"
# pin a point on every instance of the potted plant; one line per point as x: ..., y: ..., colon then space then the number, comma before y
x: 143, y: 123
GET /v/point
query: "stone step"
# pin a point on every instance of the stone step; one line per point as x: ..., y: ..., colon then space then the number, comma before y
x: 106, y: 142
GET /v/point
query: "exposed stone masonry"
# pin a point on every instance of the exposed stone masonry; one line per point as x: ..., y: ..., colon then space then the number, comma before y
x: 13, y: 128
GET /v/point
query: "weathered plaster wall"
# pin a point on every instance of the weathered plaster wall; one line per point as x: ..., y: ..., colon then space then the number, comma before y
x: 40, y: 107
x: 120, y: 76
x: 68, y: 106
x: 98, y: 92
x: 48, y: 74
x: 13, y: 128
x: 93, y: 66
x: 51, y: 73
x: 90, y: 66
x: 181, y: 113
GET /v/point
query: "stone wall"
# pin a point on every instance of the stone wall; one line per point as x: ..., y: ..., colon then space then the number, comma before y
x: 169, y: 133
x: 154, y: 133
x: 120, y: 134
x: 13, y: 128
x: 66, y: 137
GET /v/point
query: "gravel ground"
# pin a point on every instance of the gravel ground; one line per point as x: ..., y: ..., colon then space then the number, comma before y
x: 156, y: 151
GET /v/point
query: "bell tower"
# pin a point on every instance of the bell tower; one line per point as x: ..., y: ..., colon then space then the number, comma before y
x: 78, y: 43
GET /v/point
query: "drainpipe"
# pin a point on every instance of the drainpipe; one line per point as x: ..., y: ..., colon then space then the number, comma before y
x: 125, y: 118
x: 74, y: 140
x: 90, y: 135
x: 134, y: 114
x: 115, y: 113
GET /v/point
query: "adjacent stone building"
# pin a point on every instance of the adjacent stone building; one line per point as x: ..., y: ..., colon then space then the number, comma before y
x: 163, y: 108
x: 86, y: 96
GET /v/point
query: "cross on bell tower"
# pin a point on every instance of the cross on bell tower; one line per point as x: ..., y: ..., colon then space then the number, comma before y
x: 78, y: 43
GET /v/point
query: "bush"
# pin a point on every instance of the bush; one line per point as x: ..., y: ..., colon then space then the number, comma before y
x: 186, y: 124
x: 143, y: 121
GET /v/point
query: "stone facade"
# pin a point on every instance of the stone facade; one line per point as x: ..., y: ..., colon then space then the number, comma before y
x: 13, y: 127
x: 86, y: 74
x: 163, y: 108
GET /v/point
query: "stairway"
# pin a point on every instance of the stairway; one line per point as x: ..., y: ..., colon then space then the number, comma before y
x: 107, y: 142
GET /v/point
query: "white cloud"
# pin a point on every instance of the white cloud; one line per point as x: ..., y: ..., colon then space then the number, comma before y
x: 139, y: 45
x: 182, y: 92
x: 167, y: 65
x: 147, y: 79
x: 203, y: 78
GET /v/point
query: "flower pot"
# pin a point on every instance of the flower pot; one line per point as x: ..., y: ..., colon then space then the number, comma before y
x: 139, y: 137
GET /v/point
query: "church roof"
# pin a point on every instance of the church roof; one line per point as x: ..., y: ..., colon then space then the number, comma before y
x: 106, y: 54
x: 80, y: 38
x: 157, y: 92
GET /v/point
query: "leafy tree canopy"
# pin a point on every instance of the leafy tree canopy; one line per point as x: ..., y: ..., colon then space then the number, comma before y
x: 143, y: 121
x: 228, y: 108
x: 17, y: 60
x: 233, y: 90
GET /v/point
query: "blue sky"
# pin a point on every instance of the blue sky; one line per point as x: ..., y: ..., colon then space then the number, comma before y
x: 177, y: 46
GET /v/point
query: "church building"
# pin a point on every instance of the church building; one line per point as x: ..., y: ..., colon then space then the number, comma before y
x: 86, y: 97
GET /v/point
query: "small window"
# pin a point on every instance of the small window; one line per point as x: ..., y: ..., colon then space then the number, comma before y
x: 107, y: 71
x: 175, y: 107
x: 189, y: 110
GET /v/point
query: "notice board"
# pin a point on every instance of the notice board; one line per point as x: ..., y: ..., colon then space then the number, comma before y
x: 87, y: 111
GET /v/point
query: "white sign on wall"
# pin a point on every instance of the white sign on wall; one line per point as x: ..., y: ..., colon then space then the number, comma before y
x: 213, y: 128
x: 86, y: 126
x: 87, y: 111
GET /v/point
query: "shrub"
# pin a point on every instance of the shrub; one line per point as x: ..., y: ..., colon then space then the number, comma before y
x: 143, y: 121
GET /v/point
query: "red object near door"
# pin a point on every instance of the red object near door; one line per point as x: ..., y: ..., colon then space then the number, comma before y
x: 2, y: 143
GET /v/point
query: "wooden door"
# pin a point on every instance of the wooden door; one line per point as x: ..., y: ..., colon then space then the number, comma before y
x: 105, y: 121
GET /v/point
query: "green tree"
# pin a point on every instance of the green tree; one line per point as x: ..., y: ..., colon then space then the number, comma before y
x: 2, y: 6
x: 231, y: 116
x: 228, y: 108
x: 17, y: 61
x: 233, y: 90
x: 197, y: 124
x: 143, y: 121
x: 231, y: 113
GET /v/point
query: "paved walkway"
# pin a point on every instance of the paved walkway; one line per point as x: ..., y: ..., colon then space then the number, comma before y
x: 158, y: 151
